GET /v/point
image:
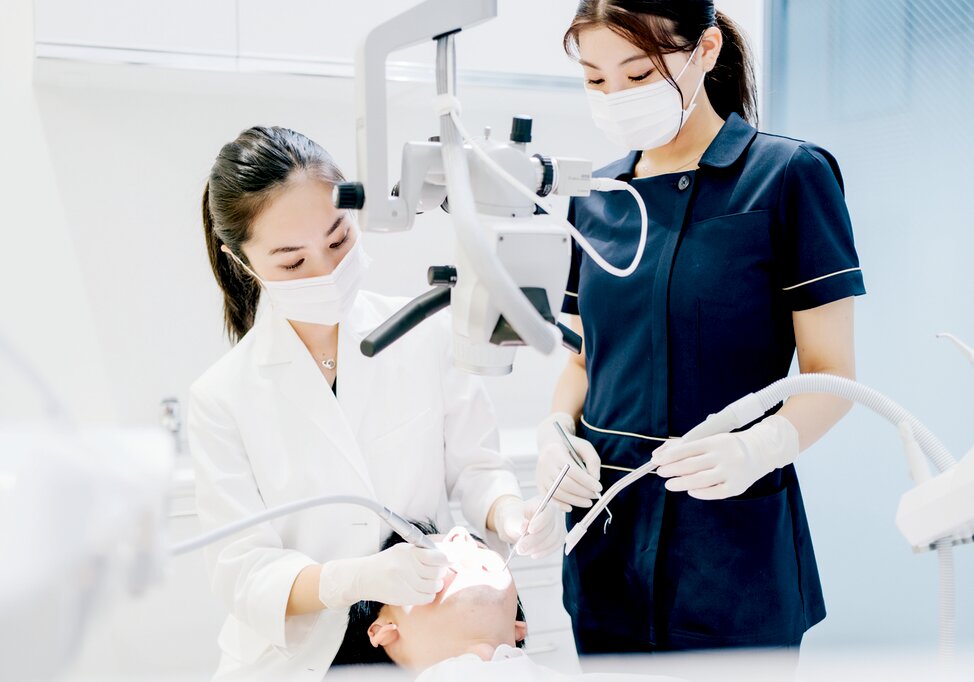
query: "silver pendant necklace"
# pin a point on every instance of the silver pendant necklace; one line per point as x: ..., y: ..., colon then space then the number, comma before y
x: 328, y: 363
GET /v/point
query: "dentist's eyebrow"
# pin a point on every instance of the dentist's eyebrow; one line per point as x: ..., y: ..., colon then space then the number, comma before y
x: 634, y: 58
x: 335, y: 225
x: 292, y: 249
x: 284, y: 249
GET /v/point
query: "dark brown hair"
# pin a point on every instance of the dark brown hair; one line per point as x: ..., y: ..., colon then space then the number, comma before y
x: 247, y: 173
x: 660, y: 27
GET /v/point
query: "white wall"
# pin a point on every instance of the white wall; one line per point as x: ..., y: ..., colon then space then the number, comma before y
x: 44, y: 308
x: 901, y: 134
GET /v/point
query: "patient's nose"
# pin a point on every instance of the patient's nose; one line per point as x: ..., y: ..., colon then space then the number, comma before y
x: 460, y: 535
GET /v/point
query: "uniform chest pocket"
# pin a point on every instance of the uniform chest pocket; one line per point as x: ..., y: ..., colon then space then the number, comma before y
x: 727, y: 257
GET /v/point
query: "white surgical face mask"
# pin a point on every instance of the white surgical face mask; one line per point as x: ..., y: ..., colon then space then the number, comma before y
x: 319, y: 300
x: 643, y: 117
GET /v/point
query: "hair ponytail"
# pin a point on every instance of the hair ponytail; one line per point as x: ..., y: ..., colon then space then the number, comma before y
x: 240, y: 292
x: 659, y: 27
x: 246, y: 175
x: 731, y: 84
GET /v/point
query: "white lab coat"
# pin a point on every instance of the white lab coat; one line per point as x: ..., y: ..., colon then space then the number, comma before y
x: 407, y: 429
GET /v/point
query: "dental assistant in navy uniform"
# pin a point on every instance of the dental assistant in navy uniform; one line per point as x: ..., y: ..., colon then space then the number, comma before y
x: 750, y: 256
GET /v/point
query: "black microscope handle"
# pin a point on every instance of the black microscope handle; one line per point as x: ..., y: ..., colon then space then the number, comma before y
x: 569, y: 339
x: 405, y: 319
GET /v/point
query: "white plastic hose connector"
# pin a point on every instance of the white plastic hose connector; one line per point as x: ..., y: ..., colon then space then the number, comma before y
x: 446, y: 105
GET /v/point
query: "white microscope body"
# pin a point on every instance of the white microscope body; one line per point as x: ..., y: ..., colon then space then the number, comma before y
x: 508, y: 282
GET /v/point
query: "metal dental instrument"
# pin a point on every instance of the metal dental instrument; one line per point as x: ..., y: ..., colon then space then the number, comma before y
x: 541, y: 507
x: 579, y: 462
x: 578, y: 459
x: 568, y: 444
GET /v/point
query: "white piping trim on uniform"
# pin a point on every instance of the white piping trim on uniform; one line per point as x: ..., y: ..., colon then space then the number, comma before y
x: 818, y: 279
x: 621, y: 433
x: 568, y: 293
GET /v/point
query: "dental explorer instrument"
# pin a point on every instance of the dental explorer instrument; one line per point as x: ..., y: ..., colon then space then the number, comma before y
x: 541, y: 507
x: 568, y: 444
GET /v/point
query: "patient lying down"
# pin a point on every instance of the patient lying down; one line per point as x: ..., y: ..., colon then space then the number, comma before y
x: 474, y: 629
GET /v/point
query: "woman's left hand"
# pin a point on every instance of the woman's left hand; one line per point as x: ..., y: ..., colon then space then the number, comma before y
x: 727, y: 464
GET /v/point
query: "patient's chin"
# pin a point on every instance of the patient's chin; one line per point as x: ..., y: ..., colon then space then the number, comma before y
x: 476, y: 592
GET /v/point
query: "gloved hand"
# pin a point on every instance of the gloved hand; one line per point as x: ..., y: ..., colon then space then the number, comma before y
x: 401, y: 575
x: 580, y: 486
x: 727, y: 464
x: 537, y: 536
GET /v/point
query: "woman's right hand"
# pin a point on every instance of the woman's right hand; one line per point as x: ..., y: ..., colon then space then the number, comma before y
x: 403, y: 575
x: 580, y: 486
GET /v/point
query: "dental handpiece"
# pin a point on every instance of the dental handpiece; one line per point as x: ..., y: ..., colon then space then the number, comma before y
x: 541, y: 507
x: 401, y: 526
x: 406, y: 530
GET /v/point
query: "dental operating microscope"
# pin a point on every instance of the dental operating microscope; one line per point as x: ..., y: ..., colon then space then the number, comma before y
x: 513, y: 254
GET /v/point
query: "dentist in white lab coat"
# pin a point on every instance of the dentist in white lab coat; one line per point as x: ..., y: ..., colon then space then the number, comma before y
x: 294, y: 410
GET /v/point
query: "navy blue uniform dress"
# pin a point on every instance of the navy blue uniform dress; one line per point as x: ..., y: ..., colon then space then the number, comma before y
x: 758, y: 231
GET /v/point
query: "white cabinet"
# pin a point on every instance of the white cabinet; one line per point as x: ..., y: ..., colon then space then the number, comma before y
x: 313, y: 30
x: 181, y: 26
x: 520, y: 47
x: 524, y: 39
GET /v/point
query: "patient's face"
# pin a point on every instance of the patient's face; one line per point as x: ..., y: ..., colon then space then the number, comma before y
x: 478, y: 603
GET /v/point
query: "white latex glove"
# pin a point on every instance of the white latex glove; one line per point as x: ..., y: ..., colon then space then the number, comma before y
x: 580, y: 486
x: 402, y: 575
x: 727, y: 464
x: 536, y: 536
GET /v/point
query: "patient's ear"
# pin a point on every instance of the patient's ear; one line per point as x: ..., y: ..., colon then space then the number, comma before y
x: 520, y: 630
x: 383, y: 633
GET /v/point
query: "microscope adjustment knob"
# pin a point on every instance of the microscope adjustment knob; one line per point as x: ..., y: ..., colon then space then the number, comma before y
x: 349, y: 195
x: 547, y: 182
x: 521, y: 129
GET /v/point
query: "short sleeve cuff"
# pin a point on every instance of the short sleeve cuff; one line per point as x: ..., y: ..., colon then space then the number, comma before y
x: 826, y: 289
x: 569, y: 305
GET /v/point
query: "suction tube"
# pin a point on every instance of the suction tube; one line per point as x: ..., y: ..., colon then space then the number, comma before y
x: 755, y: 405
